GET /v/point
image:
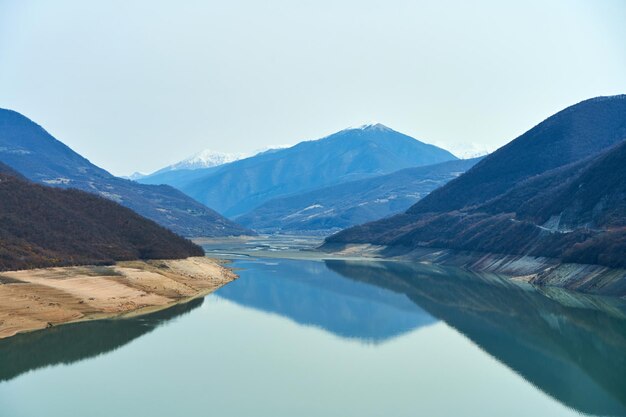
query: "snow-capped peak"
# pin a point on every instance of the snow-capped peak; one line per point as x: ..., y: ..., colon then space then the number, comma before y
x: 135, y: 176
x: 369, y: 126
x: 206, y: 159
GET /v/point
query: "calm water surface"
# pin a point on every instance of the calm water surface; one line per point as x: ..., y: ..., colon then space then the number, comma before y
x: 333, y: 338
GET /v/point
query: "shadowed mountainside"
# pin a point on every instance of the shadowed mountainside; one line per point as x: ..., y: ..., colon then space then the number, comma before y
x: 578, y: 132
x: 557, y: 191
x: 7, y: 170
x: 30, y: 150
x: 42, y: 226
x: 353, y: 202
x: 568, y: 345
x: 79, y: 341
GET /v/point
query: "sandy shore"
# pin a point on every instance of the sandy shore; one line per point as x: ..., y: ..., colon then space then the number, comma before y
x: 40, y: 298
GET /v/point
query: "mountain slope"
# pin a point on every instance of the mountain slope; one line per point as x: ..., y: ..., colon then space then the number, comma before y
x: 189, y: 170
x: 573, y: 210
x: 203, y: 159
x: 353, y: 202
x: 177, y: 178
x: 7, y: 170
x: 570, y: 135
x: 43, y: 226
x: 351, y: 154
x: 30, y: 150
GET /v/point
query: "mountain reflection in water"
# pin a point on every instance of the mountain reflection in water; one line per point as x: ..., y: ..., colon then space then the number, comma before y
x: 571, y: 346
x: 78, y: 341
x: 309, y: 293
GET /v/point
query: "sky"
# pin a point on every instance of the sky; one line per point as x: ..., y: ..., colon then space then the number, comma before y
x: 136, y: 85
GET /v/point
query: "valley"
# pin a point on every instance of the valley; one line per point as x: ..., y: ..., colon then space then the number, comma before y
x: 312, y: 209
x: 557, y: 192
x: 321, y: 323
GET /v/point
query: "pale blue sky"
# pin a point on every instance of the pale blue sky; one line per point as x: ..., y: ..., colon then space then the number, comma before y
x: 136, y: 85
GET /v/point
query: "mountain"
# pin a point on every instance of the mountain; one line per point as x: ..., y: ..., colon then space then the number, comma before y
x: 558, y: 190
x: 7, y: 170
x: 134, y: 176
x: 204, y: 159
x: 195, y: 167
x: 33, y: 152
x: 571, y: 135
x: 351, y: 154
x: 42, y: 226
x: 353, y: 202
x: 175, y: 178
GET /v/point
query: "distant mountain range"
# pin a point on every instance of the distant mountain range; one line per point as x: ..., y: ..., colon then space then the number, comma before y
x: 30, y: 150
x: 559, y: 190
x: 204, y: 159
x: 339, y: 206
x: 236, y: 188
x: 42, y: 226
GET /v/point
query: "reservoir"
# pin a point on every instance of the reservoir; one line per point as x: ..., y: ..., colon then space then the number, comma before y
x: 307, y: 336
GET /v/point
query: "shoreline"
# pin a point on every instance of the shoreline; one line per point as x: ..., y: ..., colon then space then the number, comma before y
x: 36, y: 299
x: 538, y: 271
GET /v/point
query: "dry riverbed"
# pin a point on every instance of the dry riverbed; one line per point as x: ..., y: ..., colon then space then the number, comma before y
x: 40, y: 298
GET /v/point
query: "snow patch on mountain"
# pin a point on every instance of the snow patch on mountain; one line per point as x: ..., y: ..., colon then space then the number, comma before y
x: 369, y: 126
x: 209, y: 158
x: 206, y: 159
x: 135, y: 176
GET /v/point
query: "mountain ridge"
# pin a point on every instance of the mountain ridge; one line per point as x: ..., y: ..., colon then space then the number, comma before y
x: 350, y: 154
x: 354, y: 202
x: 524, y: 156
x: 523, y: 214
x: 29, y: 149
x: 42, y: 226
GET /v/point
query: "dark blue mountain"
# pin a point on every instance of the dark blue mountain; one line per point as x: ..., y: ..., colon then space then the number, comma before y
x: 339, y: 206
x: 28, y: 149
x: 352, y: 154
x: 309, y: 293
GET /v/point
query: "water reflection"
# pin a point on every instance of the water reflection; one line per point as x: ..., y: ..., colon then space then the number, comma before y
x: 309, y: 293
x: 78, y: 341
x: 575, y: 354
x: 569, y: 346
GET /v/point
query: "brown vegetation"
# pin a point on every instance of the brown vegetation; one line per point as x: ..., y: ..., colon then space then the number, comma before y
x: 42, y: 226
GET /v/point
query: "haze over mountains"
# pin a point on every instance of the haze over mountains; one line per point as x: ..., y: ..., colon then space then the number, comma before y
x: 34, y: 153
x: 352, y: 154
x: 556, y: 191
